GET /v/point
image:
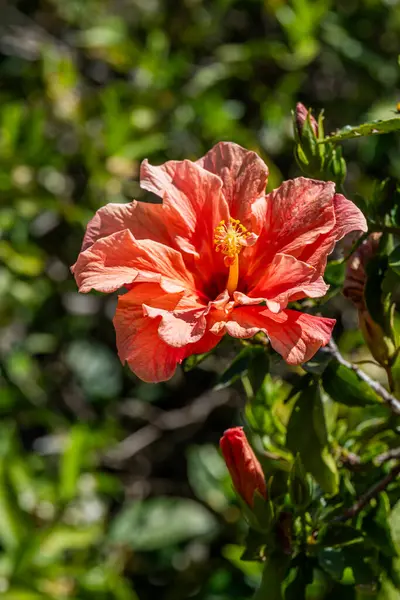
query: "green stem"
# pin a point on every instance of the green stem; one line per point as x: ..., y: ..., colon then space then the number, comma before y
x: 390, y: 378
x: 272, y: 578
x: 248, y: 388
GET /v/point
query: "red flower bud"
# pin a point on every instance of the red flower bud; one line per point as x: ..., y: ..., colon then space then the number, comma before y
x: 244, y: 468
x: 301, y: 117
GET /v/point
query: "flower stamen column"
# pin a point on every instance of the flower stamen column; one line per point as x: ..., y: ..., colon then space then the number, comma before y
x: 229, y: 238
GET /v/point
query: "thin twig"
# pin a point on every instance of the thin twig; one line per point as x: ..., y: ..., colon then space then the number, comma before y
x: 384, y: 229
x: 386, y: 456
x: 350, y: 460
x: 367, y: 362
x: 388, y: 398
x: 161, y: 421
x: 369, y: 495
x: 355, y: 463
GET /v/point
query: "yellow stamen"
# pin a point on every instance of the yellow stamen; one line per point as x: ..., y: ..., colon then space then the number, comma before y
x: 229, y: 238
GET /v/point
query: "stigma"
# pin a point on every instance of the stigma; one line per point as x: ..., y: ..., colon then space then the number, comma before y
x: 229, y: 239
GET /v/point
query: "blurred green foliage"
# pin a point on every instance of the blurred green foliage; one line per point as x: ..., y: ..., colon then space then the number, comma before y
x: 111, y: 488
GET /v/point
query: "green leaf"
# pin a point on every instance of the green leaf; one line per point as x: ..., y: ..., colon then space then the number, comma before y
x: 316, y: 365
x: 335, y: 560
x: 263, y: 510
x: 302, y: 578
x: 261, y: 410
x: 391, y: 566
x: 335, y: 272
x: 377, y: 302
x: 18, y: 593
x: 255, y: 542
x: 299, y: 486
x: 363, y: 572
x: 72, y: 461
x: 339, y: 534
x: 206, y: 472
x: 61, y: 538
x: 373, y: 128
x: 385, y: 206
x: 240, y: 366
x: 336, y: 168
x: 394, y: 260
x: 236, y: 555
x: 306, y: 435
x: 193, y: 361
x: 160, y: 522
x: 379, y: 535
x: 258, y: 369
x: 12, y: 519
x: 394, y: 525
x: 141, y: 148
x: 262, y: 521
x: 389, y: 591
x: 344, y: 386
x: 378, y: 529
x: 96, y: 368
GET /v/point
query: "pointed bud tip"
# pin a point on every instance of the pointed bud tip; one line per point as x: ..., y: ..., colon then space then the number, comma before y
x: 301, y: 117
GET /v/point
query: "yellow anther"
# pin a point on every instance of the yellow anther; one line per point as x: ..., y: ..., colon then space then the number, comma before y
x: 229, y: 239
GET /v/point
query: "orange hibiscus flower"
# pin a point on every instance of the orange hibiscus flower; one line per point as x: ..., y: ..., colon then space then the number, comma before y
x: 217, y: 256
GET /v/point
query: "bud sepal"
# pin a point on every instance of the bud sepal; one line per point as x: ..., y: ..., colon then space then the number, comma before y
x: 315, y: 157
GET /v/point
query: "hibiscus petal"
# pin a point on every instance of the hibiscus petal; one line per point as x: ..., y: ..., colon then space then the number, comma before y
x: 315, y: 289
x: 259, y: 211
x: 347, y: 218
x: 139, y: 344
x: 191, y: 195
x: 244, y: 176
x: 193, y: 200
x: 117, y: 260
x: 296, y: 214
x: 296, y: 336
x: 144, y: 221
x: 298, y: 211
x: 286, y: 278
x: 316, y: 254
x: 301, y: 336
x: 246, y: 321
x: 138, y: 340
x: 179, y: 327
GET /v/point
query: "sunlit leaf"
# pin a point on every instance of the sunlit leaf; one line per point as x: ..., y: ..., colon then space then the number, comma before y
x: 240, y: 365
x: 344, y: 386
x: 306, y: 436
x: 13, y: 522
x: 366, y: 129
x: 72, y: 461
x: 62, y: 538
